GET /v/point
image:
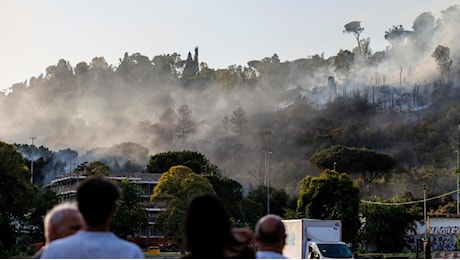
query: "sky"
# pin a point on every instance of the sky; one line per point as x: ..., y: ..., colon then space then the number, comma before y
x: 36, y: 34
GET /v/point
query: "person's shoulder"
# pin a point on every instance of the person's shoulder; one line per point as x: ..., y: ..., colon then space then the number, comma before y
x: 39, y: 253
x: 269, y: 255
x: 132, y: 247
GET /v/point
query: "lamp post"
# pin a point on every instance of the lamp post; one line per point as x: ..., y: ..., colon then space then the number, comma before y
x: 456, y: 174
x: 32, y: 160
x: 456, y: 170
x: 267, y: 174
x: 424, y: 205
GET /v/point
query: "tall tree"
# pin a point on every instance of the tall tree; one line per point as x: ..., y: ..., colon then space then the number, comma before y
x: 131, y: 214
x: 185, y: 123
x: 356, y: 29
x: 17, y: 195
x: 175, y: 189
x: 278, y: 199
x: 397, y: 35
x: 442, y: 57
x: 230, y: 192
x: 332, y: 195
x: 368, y: 163
x: 239, y: 121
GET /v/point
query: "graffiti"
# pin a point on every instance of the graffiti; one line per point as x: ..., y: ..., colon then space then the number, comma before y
x: 444, y: 238
x: 443, y: 242
x: 446, y: 255
x: 441, y: 239
x: 444, y: 230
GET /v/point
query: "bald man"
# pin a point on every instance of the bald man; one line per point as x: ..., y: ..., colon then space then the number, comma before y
x: 61, y: 221
x: 270, y: 237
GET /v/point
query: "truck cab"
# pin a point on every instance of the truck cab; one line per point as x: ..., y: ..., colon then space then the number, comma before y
x: 325, y: 250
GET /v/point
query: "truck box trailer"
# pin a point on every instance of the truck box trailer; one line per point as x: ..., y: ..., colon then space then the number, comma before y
x: 315, y: 238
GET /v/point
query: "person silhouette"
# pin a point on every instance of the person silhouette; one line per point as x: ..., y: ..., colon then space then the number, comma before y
x: 209, y: 233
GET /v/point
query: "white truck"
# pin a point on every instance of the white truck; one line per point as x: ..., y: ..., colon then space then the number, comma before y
x: 314, y: 238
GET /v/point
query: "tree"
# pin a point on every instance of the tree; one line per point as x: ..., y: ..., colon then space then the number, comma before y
x: 397, y: 34
x: 368, y: 163
x: 356, y: 29
x: 46, y: 199
x: 131, y: 214
x: 226, y: 124
x: 365, y: 50
x: 332, y: 195
x: 442, y: 57
x: 166, y: 125
x: 175, y: 189
x: 387, y: 224
x: 61, y: 73
x: 239, y: 121
x: 17, y: 195
x: 196, y: 161
x: 252, y: 211
x: 230, y: 192
x: 278, y: 201
x: 343, y: 62
x: 93, y: 168
x: 185, y: 123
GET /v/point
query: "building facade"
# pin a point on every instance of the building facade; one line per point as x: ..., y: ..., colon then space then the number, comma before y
x: 66, y: 188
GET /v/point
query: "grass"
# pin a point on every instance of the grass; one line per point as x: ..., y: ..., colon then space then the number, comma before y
x: 390, y: 256
x: 163, y: 255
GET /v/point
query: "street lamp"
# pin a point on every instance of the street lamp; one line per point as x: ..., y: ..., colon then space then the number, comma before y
x: 456, y: 173
x: 267, y: 174
x: 424, y: 205
x: 32, y: 160
x: 456, y: 170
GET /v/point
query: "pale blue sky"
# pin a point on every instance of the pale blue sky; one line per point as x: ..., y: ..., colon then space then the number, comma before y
x: 37, y: 33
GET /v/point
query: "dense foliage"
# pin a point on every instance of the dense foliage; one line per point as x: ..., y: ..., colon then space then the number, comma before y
x: 332, y: 195
x: 131, y: 214
x: 387, y: 224
x: 17, y: 195
x: 93, y: 168
x: 196, y: 161
x: 367, y: 163
x: 173, y: 191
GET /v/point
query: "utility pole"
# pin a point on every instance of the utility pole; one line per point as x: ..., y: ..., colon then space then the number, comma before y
x: 32, y: 161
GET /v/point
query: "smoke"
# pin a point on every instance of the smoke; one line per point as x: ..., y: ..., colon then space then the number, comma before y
x: 103, y: 111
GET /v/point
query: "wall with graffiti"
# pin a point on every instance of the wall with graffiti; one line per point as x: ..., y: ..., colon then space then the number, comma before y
x: 444, y: 237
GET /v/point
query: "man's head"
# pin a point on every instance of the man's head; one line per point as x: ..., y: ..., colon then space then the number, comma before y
x: 270, y: 233
x: 62, y: 220
x: 97, y: 197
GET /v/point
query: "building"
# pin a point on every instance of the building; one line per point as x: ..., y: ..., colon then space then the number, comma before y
x: 66, y: 188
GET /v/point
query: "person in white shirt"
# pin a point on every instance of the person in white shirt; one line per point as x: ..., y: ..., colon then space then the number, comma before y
x: 96, y: 198
x: 270, y: 235
x: 61, y: 221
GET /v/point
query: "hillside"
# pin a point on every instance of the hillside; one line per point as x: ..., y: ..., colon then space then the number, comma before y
x: 403, y: 101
